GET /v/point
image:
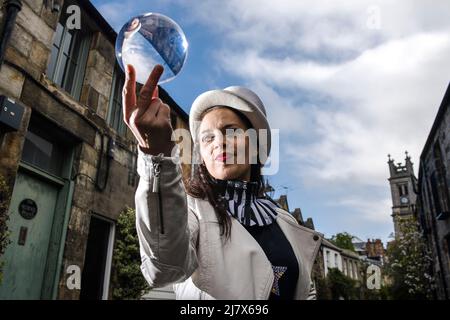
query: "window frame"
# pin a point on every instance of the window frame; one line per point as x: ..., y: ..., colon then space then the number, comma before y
x: 80, y: 58
x: 116, y: 89
x: 440, y: 178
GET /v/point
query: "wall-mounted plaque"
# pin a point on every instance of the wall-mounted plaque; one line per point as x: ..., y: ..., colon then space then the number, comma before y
x: 28, y: 209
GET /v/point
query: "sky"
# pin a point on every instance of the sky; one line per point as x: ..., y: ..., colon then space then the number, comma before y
x: 345, y: 82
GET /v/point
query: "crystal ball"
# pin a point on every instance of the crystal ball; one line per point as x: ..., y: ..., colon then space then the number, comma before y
x: 150, y: 39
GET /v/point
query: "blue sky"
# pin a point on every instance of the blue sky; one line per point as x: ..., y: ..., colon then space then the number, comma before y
x: 346, y: 83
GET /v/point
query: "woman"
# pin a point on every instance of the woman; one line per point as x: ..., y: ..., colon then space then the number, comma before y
x: 219, y: 237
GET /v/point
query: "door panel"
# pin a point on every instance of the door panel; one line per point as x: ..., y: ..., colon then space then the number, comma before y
x: 25, y: 263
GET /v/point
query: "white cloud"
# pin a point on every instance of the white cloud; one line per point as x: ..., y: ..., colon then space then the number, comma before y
x: 381, y: 97
x: 369, y: 211
x: 344, y: 94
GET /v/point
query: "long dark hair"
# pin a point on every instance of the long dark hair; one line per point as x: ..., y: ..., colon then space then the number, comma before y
x: 201, y: 185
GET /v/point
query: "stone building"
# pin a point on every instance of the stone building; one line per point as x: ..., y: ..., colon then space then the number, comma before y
x: 309, y: 223
x: 346, y: 261
x: 403, y: 185
x: 434, y: 196
x: 351, y: 265
x: 329, y: 255
x: 375, y: 250
x: 371, y: 251
x: 360, y: 246
x: 71, y: 161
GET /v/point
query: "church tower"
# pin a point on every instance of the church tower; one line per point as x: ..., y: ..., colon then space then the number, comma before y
x: 403, y: 185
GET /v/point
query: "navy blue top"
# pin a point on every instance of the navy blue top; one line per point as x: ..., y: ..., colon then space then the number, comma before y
x: 258, y: 216
x: 281, y: 255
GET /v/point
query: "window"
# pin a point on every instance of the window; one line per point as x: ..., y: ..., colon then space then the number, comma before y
x: 344, y: 266
x: 115, y: 114
x: 43, y: 149
x: 336, y: 260
x: 328, y: 259
x: 434, y: 192
x: 68, y: 56
x: 403, y: 190
x: 354, y: 269
x: 440, y: 179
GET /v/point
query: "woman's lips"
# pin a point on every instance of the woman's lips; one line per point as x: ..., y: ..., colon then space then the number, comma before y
x: 222, y: 157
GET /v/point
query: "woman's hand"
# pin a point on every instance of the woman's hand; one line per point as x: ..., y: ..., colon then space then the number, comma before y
x: 147, y: 116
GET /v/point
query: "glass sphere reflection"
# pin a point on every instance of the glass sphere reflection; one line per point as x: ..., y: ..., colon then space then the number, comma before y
x: 150, y: 39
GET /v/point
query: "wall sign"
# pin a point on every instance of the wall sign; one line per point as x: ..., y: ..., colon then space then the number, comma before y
x: 28, y: 209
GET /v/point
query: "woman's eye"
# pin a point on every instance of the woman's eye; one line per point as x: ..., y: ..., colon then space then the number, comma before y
x: 208, y: 138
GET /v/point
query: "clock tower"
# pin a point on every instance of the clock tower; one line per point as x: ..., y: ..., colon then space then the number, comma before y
x: 403, y: 185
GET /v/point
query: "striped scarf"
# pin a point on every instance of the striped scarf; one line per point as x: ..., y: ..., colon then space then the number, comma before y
x: 243, y: 204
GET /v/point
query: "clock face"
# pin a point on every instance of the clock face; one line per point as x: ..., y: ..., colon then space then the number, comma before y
x: 404, y: 200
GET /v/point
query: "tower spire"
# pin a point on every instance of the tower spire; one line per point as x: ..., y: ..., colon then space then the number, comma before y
x: 408, y: 163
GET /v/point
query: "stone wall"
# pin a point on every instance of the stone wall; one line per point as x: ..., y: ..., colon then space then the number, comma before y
x: 28, y: 48
x: 437, y: 230
x: 23, y: 78
x: 99, y: 72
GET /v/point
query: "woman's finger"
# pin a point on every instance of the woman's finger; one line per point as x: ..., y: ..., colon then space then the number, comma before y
x: 148, y: 114
x: 155, y: 92
x: 163, y: 112
x: 148, y: 90
x: 129, y: 93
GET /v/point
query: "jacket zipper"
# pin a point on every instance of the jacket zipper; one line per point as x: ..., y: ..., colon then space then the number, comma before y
x: 156, y: 189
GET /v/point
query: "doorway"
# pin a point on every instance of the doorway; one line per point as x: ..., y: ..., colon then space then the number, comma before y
x: 98, y: 258
x: 37, y: 211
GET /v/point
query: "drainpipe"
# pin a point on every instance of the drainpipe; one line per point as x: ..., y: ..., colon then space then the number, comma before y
x: 12, y: 8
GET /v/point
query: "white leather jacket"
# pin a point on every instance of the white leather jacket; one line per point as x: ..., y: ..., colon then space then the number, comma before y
x: 180, y: 241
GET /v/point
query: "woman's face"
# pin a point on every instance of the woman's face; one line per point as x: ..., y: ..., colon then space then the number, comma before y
x: 213, y: 141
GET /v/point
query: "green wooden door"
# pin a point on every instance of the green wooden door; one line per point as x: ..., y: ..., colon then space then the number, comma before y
x: 25, y: 259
